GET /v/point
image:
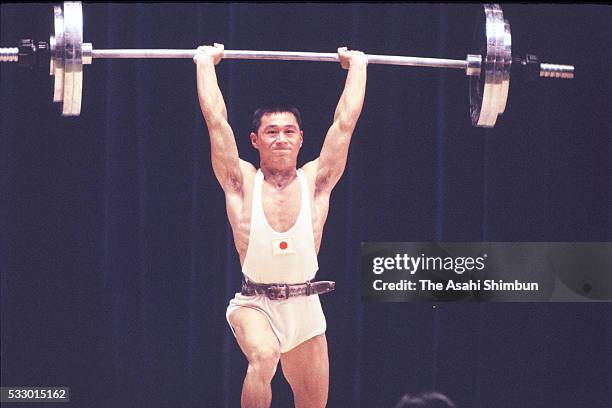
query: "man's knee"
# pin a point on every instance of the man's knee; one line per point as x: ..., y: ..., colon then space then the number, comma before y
x: 263, y: 361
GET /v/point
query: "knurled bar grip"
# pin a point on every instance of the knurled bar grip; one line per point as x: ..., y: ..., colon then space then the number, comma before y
x: 282, y: 55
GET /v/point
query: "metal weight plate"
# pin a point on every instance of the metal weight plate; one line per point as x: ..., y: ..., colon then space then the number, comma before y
x: 73, y: 61
x: 57, y: 54
x: 489, y: 91
x: 492, y: 77
x: 507, y: 57
x: 490, y: 80
x: 476, y: 83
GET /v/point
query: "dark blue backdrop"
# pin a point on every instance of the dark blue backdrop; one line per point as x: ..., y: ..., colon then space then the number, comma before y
x: 117, y: 262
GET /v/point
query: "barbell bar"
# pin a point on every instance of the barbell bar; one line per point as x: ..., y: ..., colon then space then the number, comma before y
x: 488, y: 68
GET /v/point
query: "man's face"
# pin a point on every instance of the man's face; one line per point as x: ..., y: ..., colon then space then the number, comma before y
x: 278, y: 138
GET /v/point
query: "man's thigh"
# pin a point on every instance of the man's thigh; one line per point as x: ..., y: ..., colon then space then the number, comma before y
x: 306, y: 368
x: 253, y: 332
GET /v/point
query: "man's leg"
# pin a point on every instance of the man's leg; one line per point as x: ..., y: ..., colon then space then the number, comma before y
x: 306, y: 368
x: 262, y: 350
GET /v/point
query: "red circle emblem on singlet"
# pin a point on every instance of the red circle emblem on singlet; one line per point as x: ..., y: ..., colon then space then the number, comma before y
x: 282, y: 245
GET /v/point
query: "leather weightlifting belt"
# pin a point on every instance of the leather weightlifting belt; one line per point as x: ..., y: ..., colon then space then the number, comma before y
x: 278, y: 291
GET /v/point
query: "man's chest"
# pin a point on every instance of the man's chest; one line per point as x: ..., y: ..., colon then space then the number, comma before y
x: 281, y: 207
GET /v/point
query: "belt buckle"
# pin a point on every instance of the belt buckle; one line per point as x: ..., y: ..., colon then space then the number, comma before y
x: 272, y: 292
x: 275, y: 292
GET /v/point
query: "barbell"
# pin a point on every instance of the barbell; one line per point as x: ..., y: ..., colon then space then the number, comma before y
x: 488, y: 68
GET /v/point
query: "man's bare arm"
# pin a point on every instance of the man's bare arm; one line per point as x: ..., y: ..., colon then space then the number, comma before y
x: 224, y: 152
x: 332, y: 161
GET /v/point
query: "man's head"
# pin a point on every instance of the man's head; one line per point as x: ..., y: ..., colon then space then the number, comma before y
x: 266, y: 110
x: 277, y: 134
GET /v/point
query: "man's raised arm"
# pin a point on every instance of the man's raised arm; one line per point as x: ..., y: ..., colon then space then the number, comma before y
x: 224, y: 152
x: 334, y: 153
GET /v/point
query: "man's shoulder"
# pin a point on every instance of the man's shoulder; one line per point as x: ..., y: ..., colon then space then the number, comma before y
x: 247, y: 168
x: 310, y: 168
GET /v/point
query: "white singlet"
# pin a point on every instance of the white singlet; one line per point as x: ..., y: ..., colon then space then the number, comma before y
x: 287, y: 257
x: 275, y: 257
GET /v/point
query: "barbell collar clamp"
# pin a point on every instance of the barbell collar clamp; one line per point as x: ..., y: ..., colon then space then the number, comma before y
x: 87, y: 54
x: 530, y: 68
x: 474, y: 63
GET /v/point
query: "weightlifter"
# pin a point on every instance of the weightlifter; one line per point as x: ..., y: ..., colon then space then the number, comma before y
x: 277, y: 214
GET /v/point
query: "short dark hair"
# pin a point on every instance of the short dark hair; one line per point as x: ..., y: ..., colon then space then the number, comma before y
x: 258, y: 114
